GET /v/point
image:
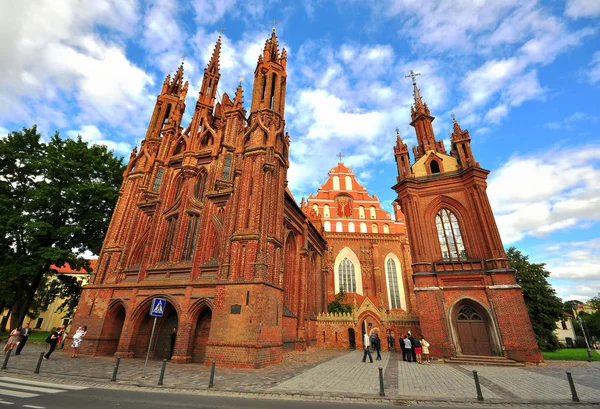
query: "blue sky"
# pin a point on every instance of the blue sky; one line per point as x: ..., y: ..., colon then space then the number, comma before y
x: 523, y: 78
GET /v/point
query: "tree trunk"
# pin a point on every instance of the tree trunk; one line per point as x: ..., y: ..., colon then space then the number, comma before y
x: 21, y: 306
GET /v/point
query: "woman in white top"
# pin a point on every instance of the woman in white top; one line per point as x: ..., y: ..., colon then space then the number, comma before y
x: 77, y: 339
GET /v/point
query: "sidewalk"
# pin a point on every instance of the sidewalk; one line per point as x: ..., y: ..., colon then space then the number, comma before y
x: 333, y: 374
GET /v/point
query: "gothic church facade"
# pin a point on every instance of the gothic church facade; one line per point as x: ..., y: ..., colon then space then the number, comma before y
x: 205, y: 220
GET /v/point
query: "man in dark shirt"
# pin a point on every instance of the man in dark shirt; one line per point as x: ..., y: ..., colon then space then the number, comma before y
x: 23, y: 336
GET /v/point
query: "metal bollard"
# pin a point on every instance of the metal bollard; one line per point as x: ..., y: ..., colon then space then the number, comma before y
x: 572, y: 385
x: 39, y: 363
x: 114, y: 375
x: 477, y: 386
x: 211, y: 383
x: 381, y: 391
x: 162, y: 372
x: 6, y: 358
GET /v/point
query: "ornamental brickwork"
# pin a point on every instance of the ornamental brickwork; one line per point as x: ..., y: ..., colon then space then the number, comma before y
x: 206, y: 221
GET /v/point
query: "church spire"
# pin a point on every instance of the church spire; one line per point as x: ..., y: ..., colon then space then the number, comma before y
x: 401, y: 156
x: 270, y: 78
x: 460, y: 142
x: 422, y: 122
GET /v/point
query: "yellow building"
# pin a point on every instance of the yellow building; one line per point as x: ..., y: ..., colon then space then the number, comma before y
x: 52, y: 317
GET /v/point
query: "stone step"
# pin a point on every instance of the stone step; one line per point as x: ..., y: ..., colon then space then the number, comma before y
x: 483, y: 360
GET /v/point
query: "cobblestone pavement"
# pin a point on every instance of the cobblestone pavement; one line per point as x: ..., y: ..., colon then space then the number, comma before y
x: 332, y: 374
x: 436, y: 380
x: 346, y: 373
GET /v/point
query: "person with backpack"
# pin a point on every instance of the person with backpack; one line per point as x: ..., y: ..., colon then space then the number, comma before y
x: 52, y: 340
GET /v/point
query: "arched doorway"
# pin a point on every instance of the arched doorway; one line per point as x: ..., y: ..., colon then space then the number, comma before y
x: 351, y: 338
x: 201, y: 335
x: 111, y: 330
x: 165, y: 337
x: 472, y: 329
x: 161, y: 344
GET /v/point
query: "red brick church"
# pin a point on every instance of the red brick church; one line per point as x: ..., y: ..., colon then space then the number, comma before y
x: 206, y: 221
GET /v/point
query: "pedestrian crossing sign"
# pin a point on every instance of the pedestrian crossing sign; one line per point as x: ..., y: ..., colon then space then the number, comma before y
x: 158, y: 307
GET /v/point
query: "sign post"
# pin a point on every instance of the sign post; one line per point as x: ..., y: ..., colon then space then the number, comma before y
x: 157, y: 309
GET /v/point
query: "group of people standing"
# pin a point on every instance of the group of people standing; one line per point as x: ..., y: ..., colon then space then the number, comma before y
x: 414, y: 349
x: 19, y: 336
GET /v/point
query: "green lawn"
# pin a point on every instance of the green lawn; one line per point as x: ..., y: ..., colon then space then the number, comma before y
x: 35, y: 336
x: 571, y: 354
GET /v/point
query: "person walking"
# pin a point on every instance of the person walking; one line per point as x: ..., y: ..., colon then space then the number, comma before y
x: 425, y: 346
x: 366, y: 345
x: 77, y: 340
x: 13, y: 340
x: 23, y: 337
x: 52, y: 340
x: 173, y: 339
x: 377, y: 347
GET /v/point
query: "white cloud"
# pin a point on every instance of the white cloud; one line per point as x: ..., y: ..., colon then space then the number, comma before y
x: 162, y: 36
x: 535, y: 195
x: 92, y: 135
x: 58, y: 63
x: 582, y: 8
x: 593, y: 74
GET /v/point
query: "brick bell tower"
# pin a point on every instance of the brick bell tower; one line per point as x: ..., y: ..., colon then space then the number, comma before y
x: 468, y: 300
x: 249, y: 300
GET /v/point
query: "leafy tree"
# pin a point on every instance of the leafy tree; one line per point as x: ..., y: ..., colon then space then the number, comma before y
x: 56, y: 199
x: 544, y: 307
x: 338, y: 305
x: 595, y: 302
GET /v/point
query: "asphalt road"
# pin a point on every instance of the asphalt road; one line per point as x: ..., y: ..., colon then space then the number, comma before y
x: 23, y: 393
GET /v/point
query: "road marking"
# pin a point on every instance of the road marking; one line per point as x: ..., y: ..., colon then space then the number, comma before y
x: 30, y: 388
x: 35, y: 383
x: 5, y: 402
x: 17, y: 394
x: 34, y: 407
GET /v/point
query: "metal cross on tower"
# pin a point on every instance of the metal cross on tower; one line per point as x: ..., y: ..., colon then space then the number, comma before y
x: 413, y: 75
x: 339, y: 155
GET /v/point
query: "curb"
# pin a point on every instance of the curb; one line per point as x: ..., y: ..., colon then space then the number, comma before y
x: 102, y: 383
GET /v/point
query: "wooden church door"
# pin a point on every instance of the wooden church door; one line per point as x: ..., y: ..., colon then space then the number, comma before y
x: 472, y: 329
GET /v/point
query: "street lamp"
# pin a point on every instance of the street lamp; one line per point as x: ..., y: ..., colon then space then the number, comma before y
x: 587, y: 344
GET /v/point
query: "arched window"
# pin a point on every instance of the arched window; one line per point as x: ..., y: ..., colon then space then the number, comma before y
x: 159, y: 175
x: 392, y: 277
x: 200, y: 186
x: 336, y: 183
x: 227, y: 166
x: 316, y: 209
x: 348, y: 183
x: 363, y: 227
x: 339, y: 227
x: 180, y: 147
x: 351, y: 227
x: 434, y: 166
x: 372, y: 212
x: 386, y: 229
x: 347, y: 277
x: 326, y: 211
x: 361, y: 212
x: 374, y: 228
x: 190, y: 237
x: 178, y: 187
x: 451, y: 242
x: 168, y: 243
x: 327, y: 226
